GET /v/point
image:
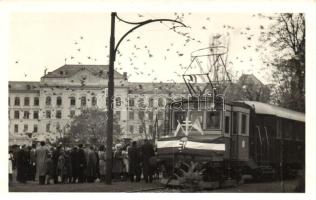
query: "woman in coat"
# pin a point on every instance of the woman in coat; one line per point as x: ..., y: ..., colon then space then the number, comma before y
x: 125, y: 163
x: 102, y: 163
x: 91, y: 166
x: 61, y: 167
x: 117, y: 163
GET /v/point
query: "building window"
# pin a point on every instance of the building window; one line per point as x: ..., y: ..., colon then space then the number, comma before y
x: 235, y: 123
x: 131, y: 102
x: 59, y: 101
x: 72, y: 113
x: 17, y: 101
x: 26, y: 101
x: 118, y: 101
x: 26, y: 115
x: 72, y: 101
x: 48, y: 114
x: 161, y: 102
x: 16, y: 114
x: 150, y: 115
x: 151, y: 102
x: 35, y: 129
x: 35, y: 115
x: 16, y: 128
x: 58, y: 127
x: 151, y: 129
x: 227, y: 123
x: 94, y: 101
x: 48, y: 101
x: 141, y: 115
x: 26, y: 127
x: 131, y: 129
x: 83, y: 101
x: 243, y: 123
x: 131, y: 115
x: 36, y: 101
x: 48, y: 127
x: 9, y: 101
x: 141, y: 129
x: 58, y: 114
x: 141, y: 103
x: 118, y: 115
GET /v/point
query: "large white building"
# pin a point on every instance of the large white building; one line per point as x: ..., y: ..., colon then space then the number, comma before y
x: 45, y: 109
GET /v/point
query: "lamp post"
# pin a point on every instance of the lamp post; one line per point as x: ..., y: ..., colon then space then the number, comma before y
x: 113, y: 50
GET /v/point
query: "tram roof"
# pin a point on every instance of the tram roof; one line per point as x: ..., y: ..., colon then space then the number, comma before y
x: 263, y: 108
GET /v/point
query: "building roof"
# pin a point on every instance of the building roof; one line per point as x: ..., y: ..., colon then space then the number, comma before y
x: 159, y: 88
x: 24, y: 85
x: 263, y: 108
x: 69, y: 70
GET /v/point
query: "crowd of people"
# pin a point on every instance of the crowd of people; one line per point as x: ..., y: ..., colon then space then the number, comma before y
x: 81, y: 163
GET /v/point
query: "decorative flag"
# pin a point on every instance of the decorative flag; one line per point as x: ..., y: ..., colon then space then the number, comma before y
x: 197, y: 126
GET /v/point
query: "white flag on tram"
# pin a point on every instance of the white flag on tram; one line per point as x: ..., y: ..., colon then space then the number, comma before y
x: 197, y: 126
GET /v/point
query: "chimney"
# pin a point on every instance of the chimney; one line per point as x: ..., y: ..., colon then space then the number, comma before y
x: 125, y: 76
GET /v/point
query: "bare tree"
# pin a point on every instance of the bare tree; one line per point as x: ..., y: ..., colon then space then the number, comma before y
x: 90, y: 126
x: 286, y: 36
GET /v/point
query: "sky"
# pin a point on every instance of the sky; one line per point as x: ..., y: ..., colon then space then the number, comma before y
x: 153, y: 52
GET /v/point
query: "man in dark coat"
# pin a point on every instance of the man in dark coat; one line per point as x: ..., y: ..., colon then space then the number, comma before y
x: 82, y: 163
x: 55, y: 156
x: 74, y: 164
x: 134, y: 162
x: 147, y: 154
x: 22, y: 165
x: 33, y: 162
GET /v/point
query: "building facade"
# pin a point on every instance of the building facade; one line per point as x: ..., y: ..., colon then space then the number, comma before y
x: 44, y: 109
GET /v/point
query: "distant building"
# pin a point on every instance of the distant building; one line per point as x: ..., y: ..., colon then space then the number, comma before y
x: 44, y: 109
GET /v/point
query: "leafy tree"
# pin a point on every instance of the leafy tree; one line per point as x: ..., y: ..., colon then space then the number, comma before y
x: 286, y: 36
x: 90, y: 127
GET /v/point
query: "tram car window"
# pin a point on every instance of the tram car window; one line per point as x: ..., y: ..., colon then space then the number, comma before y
x: 213, y: 119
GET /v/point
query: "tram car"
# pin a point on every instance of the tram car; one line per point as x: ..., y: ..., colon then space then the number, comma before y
x: 232, y: 140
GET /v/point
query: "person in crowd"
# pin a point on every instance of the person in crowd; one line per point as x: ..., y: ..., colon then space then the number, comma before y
x: 97, y: 164
x: 49, y: 169
x: 68, y: 167
x: 22, y: 163
x: 10, y: 170
x: 33, y: 162
x: 86, y: 154
x: 147, y: 154
x: 125, y: 163
x: 61, y: 166
x: 74, y: 164
x: 82, y: 163
x: 91, y: 165
x: 55, y: 156
x: 134, y: 162
x: 102, y: 163
x: 41, y: 156
x: 117, y: 162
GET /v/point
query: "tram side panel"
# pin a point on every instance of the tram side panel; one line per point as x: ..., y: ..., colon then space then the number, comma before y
x: 240, y: 134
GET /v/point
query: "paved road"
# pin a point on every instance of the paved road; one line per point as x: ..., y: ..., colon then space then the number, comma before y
x: 270, y: 187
